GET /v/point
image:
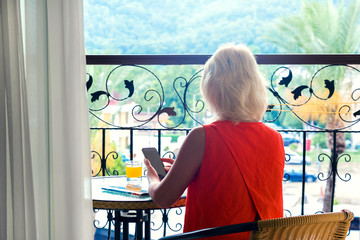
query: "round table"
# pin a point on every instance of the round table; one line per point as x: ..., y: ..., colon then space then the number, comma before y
x: 122, y: 203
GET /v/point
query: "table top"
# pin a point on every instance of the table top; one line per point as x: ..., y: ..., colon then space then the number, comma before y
x: 103, y: 199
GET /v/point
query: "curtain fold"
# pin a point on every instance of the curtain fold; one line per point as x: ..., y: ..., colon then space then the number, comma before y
x: 69, y: 121
x: 17, y: 209
x: 44, y: 128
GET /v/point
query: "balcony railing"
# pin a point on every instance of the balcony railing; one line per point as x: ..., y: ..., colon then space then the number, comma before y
x: 297, y: 85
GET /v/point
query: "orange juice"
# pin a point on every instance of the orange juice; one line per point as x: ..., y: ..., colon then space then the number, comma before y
x: 133, y: 170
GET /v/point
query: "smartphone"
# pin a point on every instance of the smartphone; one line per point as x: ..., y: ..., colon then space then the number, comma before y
x: 154, y: 158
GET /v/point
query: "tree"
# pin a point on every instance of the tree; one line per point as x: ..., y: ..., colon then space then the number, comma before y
x: 321, y: 27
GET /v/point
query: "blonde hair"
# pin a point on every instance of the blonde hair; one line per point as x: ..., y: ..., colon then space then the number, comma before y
x: 233, y: 86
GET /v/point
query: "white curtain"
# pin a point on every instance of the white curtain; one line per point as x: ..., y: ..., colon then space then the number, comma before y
x: 44, y: 130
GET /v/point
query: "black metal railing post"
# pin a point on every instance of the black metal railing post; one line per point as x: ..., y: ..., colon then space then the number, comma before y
x: 103, y: 159
x: 159, y: 140
x: 165, y: 220
x: 131, y: 144
x: 334, y: 171
x: 303, y: 173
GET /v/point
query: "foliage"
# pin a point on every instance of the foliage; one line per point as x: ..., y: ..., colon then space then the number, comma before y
x: 319, y: 139
x: 114, y: 160
x: 321, y: 27
x: 178, y: 26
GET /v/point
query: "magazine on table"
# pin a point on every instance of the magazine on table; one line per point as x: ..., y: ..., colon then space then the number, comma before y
x: 129, y: 188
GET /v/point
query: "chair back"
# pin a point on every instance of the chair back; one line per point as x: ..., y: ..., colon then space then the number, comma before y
x: 317, y: 226
x: 307, y: 227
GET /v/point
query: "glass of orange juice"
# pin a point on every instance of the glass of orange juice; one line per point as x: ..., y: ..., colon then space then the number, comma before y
x: 133, y: 171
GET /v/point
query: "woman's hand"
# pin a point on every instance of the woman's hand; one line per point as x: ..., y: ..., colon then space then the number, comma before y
x: 151, y: 173
x: 168, y: 162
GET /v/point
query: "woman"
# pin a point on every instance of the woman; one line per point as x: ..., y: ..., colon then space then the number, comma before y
x: 233, y: 168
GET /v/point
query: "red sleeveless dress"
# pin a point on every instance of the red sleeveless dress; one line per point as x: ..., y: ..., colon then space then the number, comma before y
x: 240, y: 176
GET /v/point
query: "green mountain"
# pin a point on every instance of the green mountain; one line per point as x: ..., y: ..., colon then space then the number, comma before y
x: 179, y: 26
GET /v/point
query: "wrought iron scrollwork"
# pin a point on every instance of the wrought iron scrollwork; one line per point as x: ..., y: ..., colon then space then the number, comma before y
x: 333, y: 167
x: 153, y: 97
x: 110, y: 219
x: 178, y: 226
x: 200, y: 105
x: 103, y: 166
x: 169, y: 154
x: 321, y: 175
x: 347, y: 158
x: 287, y: 157
x: 165, y: 221
x: 93, y: 155
x: 287, y: 213
x: 153, y: 224
x: 114, y: 155
x: 286, y: 177
x: 319, y: 88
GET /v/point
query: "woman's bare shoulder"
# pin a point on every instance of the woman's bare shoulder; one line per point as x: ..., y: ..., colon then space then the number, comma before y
x: 194, y: 145
x: 198, y: 132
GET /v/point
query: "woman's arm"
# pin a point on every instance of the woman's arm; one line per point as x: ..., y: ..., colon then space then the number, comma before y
x: 168, y: 162
x: 166, y: 192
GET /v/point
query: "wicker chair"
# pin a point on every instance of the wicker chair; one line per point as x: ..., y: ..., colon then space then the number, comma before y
x: 318, y: 226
